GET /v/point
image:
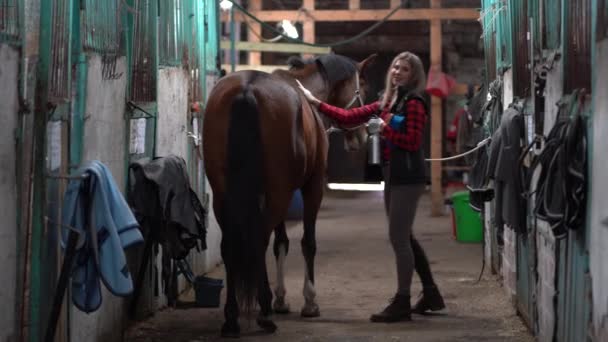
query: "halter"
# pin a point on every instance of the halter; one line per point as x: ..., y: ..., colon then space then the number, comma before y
x: 357, y: 96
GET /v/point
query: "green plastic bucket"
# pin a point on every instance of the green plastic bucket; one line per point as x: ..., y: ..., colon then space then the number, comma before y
x: 468, y: 223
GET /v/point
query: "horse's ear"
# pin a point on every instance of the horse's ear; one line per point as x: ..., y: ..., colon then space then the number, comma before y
x: 366, y: 62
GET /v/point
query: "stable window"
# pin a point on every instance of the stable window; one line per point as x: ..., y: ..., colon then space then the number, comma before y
x: 552, y: 20
x: 491, y: 57
x: 174, y: 19
x: 101, y: 27
x: 143, y: 63
x: 59, y: 86
x: 9, y: 21
x: 521, y: 50
x: 602, y: 19
x: 196, y: 38
x: 577, y: 45
x: 500, y: 13
x: 488, y: 20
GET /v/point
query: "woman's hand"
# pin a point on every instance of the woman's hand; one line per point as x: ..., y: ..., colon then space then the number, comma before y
x: 309, y: 96
x: 386, y: 120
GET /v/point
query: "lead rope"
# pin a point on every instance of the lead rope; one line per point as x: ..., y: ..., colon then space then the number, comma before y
x: 479, y: 145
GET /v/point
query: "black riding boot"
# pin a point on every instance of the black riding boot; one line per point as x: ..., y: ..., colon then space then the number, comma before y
x: 398, y: 310
x: 430, y: 300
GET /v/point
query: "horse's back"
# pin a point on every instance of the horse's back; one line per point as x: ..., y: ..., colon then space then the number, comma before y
x: 286, y: 136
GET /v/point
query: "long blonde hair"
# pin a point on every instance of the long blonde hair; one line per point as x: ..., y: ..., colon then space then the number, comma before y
x: 417, y: 81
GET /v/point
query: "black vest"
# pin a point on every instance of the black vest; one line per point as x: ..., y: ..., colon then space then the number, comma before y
x: 407, y: 167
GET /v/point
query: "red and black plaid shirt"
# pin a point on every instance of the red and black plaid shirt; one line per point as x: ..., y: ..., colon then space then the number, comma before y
x: 408, y: 138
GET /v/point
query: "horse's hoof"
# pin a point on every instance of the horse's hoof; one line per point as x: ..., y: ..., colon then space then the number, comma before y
x: 231, y: 330
x: 310, y: 311
x: 279, y: 306
x: 266, y: 324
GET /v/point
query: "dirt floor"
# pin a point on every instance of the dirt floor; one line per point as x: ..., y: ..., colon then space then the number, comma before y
x: 355, y: 277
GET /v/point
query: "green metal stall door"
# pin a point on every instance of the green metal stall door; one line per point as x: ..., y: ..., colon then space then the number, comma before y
x: 210, y: 70
x: 55, y: 75
x: 526, y: 278
x: 142, y: 111
x: 574, y: 294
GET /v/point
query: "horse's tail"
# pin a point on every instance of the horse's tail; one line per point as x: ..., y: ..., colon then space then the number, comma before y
x: 243, y: 232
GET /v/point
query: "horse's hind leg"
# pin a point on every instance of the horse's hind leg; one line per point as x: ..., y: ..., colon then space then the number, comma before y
x: 312, y: 194
x: 264, y: 319
x: 281, y: 247
x: 231, y: 309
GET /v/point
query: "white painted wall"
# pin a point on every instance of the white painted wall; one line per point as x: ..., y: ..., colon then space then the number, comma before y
x: 546, y: 292
x: 172, y: 138
x: 554, y: 92
x: 9, y: 67
x: 171, y: 133
x: 597, y: 202
x: 509, y: 259
x: 104, y: 140
x: 212, y: 256
x: 487, y: 235
x: 172, y: 128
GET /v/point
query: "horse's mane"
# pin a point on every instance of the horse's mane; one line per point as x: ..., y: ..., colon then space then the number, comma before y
x: 336, y: 68
x: 477, y: 102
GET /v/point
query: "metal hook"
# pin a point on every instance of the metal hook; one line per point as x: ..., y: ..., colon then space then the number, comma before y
x: 133, y: 106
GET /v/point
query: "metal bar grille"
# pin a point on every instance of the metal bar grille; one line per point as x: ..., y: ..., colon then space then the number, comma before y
x: 552, y: 24
x: 491, y: 57
x: 172, y: 32
x: 9, y: 21
x: 602, y: 19
x: 489, y: 37
x: 101, y: 27
x: 521, y: 74
x: 503, y: 33
x: 59, y: 87
x: 196, y: 45
x: 577, y: 44
x: 143, y: 85
x: 211, y: 37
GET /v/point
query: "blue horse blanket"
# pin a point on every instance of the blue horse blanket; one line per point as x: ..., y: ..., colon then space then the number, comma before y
x: 96, y: 209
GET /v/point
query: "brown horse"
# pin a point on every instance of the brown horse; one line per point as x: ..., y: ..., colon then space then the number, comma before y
x: 262, y: 141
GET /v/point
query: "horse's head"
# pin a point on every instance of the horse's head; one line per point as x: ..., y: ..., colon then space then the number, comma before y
x: 346, y: 85
x: 338, y: 81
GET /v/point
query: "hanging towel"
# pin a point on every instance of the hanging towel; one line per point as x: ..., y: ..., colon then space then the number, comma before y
x: 95, y: 207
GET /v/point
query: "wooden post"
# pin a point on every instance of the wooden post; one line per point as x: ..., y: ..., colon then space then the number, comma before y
x: 354, y: 4
x: 255, y: 58
x: 309, y: 26
x: 395, y: 3
x: 436, y: 119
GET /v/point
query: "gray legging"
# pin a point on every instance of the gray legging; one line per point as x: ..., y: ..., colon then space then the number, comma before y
x: 408, y: 252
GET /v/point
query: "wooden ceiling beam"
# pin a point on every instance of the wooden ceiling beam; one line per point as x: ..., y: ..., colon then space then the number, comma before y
x: 414, y: 44
x: 276, y: 47
x: 363, y: 15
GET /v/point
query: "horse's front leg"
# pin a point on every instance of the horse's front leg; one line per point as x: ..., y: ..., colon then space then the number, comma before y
x: 280, y: 248
x: 312, y: 194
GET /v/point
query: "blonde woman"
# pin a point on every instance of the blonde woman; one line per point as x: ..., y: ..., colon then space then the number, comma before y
x: 404, y: 116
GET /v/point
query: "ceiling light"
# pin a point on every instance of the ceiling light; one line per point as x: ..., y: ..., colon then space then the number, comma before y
x: 226, y: 5
x: 289, y: 29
